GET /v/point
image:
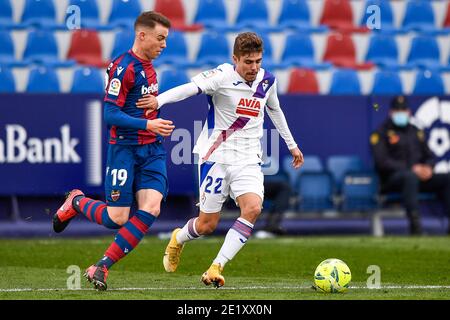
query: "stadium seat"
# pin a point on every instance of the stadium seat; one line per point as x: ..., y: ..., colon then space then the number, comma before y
x: 174, y: 11
x: 360, y: 192
x: 419, y: 16
x: 340, y: 51
x: 383, y: 51
x: 41, y: 48
x: 214, y: 50
x: 340, y: 165
x: 303, y: 81
x: 212, y: 15
x: 295, y: 14
x: 176, y: 52
x: 428, y: 82
x: 312, y: 164
x: 87, y: 80
x: 7, y: 57
x: 387, y: 83
x: 124, y: 13
x: 299, y: 52
x: 7, y: 82
x: 446, y: 23
x: 171, y: 78
x: 89, y: 15
x: 386, y: 15
x: 268, y: 61
x: 6, y: 14
x: 424, y: 52
x: 43, y: 80
x: 345, y: 82
x: 41, y: 14
x: 315, y: 191
x: 123, y: 42
x: 86, y: 49
x: 253, y: 14
x: 338, y: 14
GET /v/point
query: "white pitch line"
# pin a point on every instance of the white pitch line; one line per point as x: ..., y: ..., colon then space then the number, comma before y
x: 223, y: 288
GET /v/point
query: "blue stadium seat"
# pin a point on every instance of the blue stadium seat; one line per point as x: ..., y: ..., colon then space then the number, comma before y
x: 383, y: 51
x: 123, y: 42
x: 268, y: 61
x: 124, y: 13
x: 7, y: 57
x: 42, y: 48
x: 295, y: 14
x: 6, y: 14
x: 345, y: 82
x: 87, y: 80
x: 419, y: 16
x: 214, y: 50
x: 90, y: 18
x: 428, y: 82
x: 41, y: 14
x: 253, y: 14
x: 43, y: 80
x: 176, y: 52
x: 424, y: 52
x: 386, y: 15
x: 299, y: 52
x: 171, y: 78
x: 312, y: 164
x: 7, y: 82
x: 339, y: 165
x: 360, y: 192
x: 213, y: 15
x: 387, y: 83
x: 315, y: 191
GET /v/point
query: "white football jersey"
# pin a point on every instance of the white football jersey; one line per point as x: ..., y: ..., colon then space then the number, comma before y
x: 234, y: 126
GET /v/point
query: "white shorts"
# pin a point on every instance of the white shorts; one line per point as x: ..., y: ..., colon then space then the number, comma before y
x: 218, y: 181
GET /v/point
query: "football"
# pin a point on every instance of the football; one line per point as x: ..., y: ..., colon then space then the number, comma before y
x: 332, y: 276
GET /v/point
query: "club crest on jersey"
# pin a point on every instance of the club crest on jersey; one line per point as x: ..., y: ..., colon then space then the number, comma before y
x: 114, y: 87
x: 249, y: 107
x: 265, y: 85
x: 150, y: 89
x: 115, y: 195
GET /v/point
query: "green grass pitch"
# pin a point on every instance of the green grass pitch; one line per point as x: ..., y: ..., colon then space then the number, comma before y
x: 278, y: 269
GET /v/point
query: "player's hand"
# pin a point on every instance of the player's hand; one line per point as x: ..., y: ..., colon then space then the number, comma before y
x: 298, y: 160
x: 423, y: 171
x: 160, y: 126
x: 149, y: 102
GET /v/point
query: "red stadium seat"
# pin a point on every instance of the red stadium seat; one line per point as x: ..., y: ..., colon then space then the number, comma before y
x: 338, y: 14
x: 340, y: 51
x: 447, y: 17
x: 174, y: 10
x: 303, y: 81
x: 86, y: 49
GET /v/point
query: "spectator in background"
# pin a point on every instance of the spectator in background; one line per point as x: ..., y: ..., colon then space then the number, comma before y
x: 405, y: 163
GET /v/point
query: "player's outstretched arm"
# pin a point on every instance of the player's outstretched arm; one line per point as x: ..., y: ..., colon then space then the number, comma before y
x: 170, y: 96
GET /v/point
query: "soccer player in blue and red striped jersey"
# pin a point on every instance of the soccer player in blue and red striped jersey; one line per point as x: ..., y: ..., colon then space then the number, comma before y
x: 136, y: 160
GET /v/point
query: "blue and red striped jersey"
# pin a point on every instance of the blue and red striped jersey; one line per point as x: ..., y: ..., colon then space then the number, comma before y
x: 128, y: 79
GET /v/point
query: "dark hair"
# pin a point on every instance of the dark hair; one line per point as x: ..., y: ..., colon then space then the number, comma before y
x: 399, y: 103
x: 246, y: 43
x: 150, y: 19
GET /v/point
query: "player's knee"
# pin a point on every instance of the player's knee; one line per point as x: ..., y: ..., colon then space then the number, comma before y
x: 120, y: 218
x: 153, y: 209
x: 252, y: 211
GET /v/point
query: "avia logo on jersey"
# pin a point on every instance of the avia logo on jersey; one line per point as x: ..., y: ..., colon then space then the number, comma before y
x: 249, y: 107
x: 153, y: 88
x: 18, y: 147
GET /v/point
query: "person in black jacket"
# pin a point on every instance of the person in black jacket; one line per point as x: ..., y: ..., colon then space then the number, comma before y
x: 405, y: 163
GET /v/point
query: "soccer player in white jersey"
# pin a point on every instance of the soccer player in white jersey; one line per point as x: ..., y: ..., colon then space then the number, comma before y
x: 229, y: 149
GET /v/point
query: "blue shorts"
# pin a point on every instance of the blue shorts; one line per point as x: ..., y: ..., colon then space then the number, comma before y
x: 132, y: 168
